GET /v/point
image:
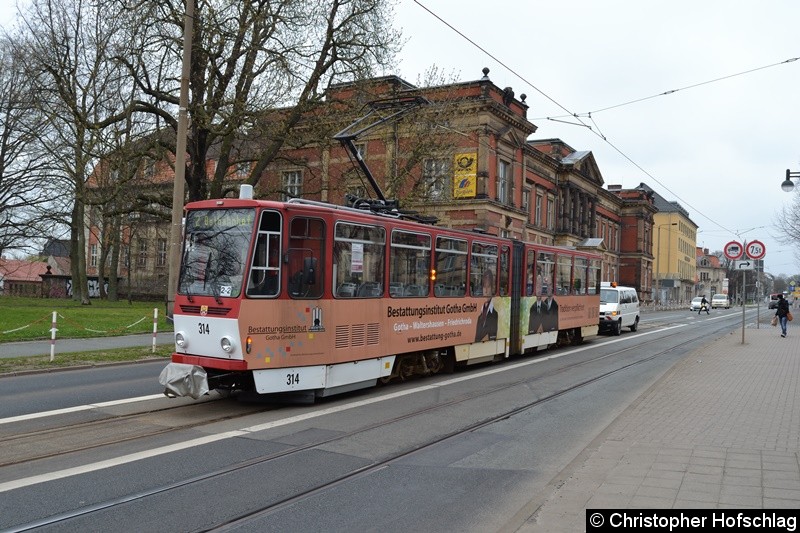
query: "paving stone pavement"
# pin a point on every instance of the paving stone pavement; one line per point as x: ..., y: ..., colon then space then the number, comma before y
x: 721, y: 429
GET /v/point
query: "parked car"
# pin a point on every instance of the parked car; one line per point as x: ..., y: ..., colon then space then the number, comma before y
x: 720, y: 300
x: 695, y: 305
x: 773, y: 301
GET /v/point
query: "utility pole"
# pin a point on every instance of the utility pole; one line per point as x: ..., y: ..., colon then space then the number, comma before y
x: 176, y: 230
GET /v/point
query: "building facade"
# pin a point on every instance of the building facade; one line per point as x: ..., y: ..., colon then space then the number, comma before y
x: 466, y: 156
x: 674, y: 252
x: 711, y: 275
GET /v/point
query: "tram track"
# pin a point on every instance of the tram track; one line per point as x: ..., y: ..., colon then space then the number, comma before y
x: 379, y: 465
x: 20, y: 448
x: 278, y: 505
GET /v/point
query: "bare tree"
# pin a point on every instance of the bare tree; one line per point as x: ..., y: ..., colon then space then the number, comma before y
x: 249, y: 56
x: 787, y: 221
x: 24, y: 193
x: 69, y: 45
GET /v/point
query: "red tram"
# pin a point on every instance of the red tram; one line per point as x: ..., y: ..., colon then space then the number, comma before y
x: 304, y: 296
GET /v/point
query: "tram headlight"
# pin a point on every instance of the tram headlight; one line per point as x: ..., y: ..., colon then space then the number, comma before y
x: 227, y: 344
x: 249, y: 344
x: 180, y: 339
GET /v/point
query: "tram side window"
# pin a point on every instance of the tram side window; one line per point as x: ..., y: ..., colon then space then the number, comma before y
x: 409, y: 264
x: 451, y: 267
x: 483, y: 270
x: 530, y: 273
x: 593, y: 278
x: 545, y: 269
x: 503, y: 274
x: 564, y: 274
x: 358, y: 260
x: 306, y: 257
x: 581, y: 271
x: 265, y: 267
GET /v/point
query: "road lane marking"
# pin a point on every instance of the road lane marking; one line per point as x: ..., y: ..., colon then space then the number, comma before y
x: 147, y: 454
x: 77, y: 408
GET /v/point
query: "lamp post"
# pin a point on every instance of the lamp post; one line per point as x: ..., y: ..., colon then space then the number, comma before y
x: 658, y: 256
x: 787, y: 184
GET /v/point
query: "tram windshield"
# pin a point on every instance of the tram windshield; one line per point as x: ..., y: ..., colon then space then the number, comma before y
x: 215, y: 251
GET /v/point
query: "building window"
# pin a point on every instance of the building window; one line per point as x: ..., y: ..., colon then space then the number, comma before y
x: 361, y: 150
x: 141, y: 257
x: 434, y: 175
x: 292, y: 181
x: 93, y: 255
x: 242, y: 170
x: 161, y: 254
x: 537, y: 214
x: 526, y: 200
x: 503, y: 181
x: 149, y: 168
x: 551, y: 202
x: 359, y: 191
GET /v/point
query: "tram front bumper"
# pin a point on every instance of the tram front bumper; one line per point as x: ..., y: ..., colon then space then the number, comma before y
x: 181, y: 379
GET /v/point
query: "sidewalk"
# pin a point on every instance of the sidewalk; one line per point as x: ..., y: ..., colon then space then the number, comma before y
x: 42, y: 347
x: 720, y: 430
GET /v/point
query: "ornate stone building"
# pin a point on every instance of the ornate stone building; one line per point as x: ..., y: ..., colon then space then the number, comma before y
x: 466, y: 156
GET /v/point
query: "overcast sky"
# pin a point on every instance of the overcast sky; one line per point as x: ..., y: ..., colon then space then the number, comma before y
x: 719, y: 148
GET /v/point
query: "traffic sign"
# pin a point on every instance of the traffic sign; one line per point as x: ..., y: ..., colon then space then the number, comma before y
x: 733, y: 250
x: 744, y: 265
x: 756, y: 249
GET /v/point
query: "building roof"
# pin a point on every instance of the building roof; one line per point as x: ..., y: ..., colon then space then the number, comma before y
x: 60, y: 266
x: 575, y: 157
x: 663, y: 205
x: 21, y: 270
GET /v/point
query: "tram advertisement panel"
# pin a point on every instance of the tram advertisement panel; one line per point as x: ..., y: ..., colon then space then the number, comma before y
x: 542, y: 314
x: 332, y: 331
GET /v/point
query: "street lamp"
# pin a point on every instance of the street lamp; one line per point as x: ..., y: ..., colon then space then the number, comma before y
x: 787, y: 184
x: 658, y: 257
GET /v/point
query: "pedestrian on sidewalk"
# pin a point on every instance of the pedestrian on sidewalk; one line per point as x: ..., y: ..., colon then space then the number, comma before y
x: 782, y: 312
x: 703, y: 306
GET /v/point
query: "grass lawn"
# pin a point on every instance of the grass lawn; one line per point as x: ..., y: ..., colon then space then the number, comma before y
x: 27, y: 319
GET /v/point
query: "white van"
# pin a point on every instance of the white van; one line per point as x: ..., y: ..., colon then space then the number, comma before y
x: 619, y: 308
x: 720, y: 300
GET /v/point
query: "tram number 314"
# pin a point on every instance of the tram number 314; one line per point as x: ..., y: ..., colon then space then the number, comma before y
x: 292, y: 379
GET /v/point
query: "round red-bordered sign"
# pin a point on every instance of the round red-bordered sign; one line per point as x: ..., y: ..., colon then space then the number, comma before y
x: 756, y: 250
x: 733, y: 250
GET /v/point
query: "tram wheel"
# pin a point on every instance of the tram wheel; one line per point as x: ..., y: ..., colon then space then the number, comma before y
x: 434, y: 362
